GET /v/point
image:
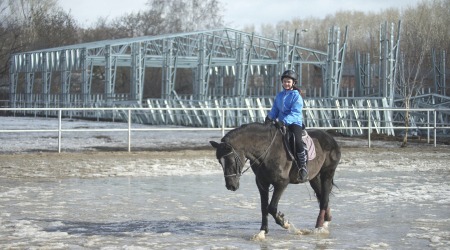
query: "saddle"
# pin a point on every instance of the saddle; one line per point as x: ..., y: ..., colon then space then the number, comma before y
x: 308, y: 144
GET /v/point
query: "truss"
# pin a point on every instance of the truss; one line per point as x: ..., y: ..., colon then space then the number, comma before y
x: 208, y: 53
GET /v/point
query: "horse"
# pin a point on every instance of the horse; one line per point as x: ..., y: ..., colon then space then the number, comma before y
x: 272, y: 164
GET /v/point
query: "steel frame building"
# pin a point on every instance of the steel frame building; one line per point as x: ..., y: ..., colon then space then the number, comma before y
x: 210, y: 55
x: 207, y: 53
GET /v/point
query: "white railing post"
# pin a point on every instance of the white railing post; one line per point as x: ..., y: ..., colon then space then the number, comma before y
x: 59, y: 129
x: 129, y: 130
x: 428, y: 127
x: 369, y: 126
x: 434, y: 127
x: 223, y: 122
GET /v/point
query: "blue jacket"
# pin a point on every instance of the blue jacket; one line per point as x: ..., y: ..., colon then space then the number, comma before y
x: 288, y: 108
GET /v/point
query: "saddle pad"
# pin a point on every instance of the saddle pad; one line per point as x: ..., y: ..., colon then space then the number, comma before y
x: 309, y: 143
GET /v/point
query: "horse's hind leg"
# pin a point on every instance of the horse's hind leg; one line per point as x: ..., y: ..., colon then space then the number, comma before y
x: 316, y: 185
x: 322, y: 185
x: 326, y: 185
x: 328, y: 216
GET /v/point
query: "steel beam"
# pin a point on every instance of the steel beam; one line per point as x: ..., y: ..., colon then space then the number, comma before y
x: 46, y: 80
x: 137, y: 71
x: 110, y: 73
x: 169, y: 67
x: 389, y: 46
x: 335, y: 62
x: 439, y: 72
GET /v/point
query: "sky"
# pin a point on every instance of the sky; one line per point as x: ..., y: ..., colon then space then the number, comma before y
x: 238, y: 13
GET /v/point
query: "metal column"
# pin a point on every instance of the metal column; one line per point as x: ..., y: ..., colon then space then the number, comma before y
x: 64, y: 100
x: 29, y: 79
x: 388, y: 61
x: 439, y: 72
x: 168, y: 70
x: 137, y: 71
x: 203, y: 69
x: 243, y: 61
x: 110, y: 74
x: 46, y: 79
x: 335, y: 62
x: 86, y: 67
x: 363, y: 70
x: 13, y: 81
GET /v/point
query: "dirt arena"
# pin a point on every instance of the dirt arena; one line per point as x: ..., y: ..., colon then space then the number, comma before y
x: 387, y: 197
x: 104, y: 163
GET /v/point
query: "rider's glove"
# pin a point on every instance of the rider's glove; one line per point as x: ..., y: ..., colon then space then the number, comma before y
x: 279, y: 124
x: 268, y: 120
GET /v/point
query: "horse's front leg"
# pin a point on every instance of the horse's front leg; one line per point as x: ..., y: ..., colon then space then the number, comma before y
x: 273, y: 207
x: 264, y: 195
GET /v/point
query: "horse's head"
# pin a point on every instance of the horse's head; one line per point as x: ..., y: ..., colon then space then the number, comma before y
x: 231, y: 163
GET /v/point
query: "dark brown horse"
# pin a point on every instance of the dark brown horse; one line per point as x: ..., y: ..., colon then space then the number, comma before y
x: 263, y: 146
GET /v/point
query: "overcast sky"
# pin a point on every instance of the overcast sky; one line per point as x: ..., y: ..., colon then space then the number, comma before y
x: 238, y: 13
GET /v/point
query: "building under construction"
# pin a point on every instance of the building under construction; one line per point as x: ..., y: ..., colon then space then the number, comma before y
x: 217, y: 66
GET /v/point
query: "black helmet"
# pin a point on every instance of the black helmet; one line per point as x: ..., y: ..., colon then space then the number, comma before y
x: 290, y: 74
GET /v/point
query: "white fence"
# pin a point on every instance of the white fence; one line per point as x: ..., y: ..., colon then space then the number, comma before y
x: 372, y: 123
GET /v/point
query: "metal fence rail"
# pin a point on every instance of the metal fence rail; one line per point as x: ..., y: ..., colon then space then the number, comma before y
x: 374, y: 121
x: 319, y: 112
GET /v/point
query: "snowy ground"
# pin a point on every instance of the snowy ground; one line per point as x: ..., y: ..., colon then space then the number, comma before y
x: 96, y: 195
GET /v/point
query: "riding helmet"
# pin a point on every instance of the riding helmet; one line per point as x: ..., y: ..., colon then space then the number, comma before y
x: 290, y: 74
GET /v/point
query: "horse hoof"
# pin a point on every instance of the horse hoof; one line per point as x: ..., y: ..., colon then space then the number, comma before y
x: 286, y: 225
x: 260, y: 236
x: 321, y: 230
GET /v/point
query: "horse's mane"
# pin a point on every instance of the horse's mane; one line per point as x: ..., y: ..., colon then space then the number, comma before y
x: 254, y: 127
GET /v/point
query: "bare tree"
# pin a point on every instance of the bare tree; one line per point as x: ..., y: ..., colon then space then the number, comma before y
x: 409, y: 83
x: 101, y: 30
x: 412, y: 60
x: 59, y: 24
x: 160, y: 17
x: 9, y: 36
x: 143, y: 23
x: 28, y: 25
x: 187, y: 15
x: 24, y: 13
x: 420, y: 36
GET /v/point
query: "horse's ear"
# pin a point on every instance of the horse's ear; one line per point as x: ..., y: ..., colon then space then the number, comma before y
x: 214, y: 144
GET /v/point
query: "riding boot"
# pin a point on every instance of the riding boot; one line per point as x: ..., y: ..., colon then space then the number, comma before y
x: 301, y: 164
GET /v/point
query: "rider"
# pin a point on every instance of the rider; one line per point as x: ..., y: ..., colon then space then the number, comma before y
x: 287, y: 111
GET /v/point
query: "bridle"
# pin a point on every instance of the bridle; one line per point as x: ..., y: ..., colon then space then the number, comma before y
x: 237, y: 159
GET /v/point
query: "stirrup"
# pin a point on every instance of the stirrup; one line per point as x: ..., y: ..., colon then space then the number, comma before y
x: 302, y: 174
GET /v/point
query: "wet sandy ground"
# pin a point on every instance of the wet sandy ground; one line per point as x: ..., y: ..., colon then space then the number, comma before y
x: 388, y: 198
x: 105, y: 164
x: 148, y: 163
